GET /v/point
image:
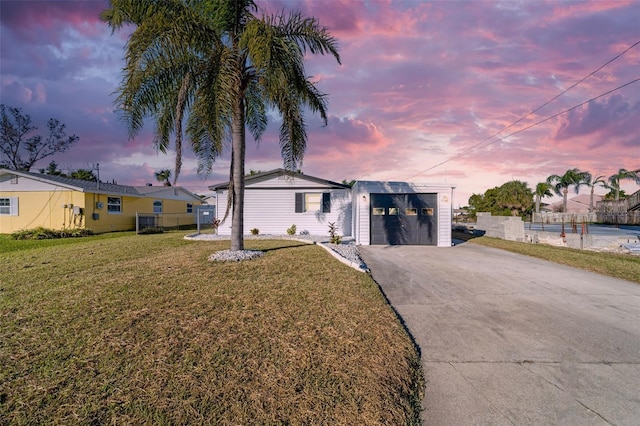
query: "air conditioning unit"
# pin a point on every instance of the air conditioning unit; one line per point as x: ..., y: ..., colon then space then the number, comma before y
x: 99, y: 205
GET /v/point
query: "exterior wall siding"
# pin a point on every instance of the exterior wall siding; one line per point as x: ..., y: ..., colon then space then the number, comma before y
x: 126, y: 220
x: 41, y: 208
x: 272, y: 211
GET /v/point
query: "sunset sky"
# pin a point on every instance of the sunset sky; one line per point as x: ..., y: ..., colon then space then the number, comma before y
x: 422, y: 92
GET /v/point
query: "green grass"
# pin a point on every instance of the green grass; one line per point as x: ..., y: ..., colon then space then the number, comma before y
x: 8, y: 245
x: 623, y: 266
x: 127, y: 329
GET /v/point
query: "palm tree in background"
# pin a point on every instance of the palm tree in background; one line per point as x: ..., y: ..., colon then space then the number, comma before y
x: 516, y: 196
x: 561, y: 184
x: 164, y: 176
x: 623, y: 174
x: 223, y: 68
x: 592, y: 182
x: 543, y: 189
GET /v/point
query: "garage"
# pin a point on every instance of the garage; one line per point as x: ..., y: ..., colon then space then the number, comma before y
x: 402, y: 213
x: 403, y: 219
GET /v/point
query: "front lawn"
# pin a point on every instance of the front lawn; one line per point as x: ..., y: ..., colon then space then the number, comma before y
x: 145, y: 330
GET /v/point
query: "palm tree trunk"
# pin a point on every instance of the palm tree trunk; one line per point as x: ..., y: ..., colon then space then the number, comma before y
x: 564, y: 200
x: 538, y: 203
x: 238, y: 153
x: 591, y: 199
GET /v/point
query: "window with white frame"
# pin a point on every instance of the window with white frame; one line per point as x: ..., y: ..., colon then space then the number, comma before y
x: 189, y: 208
x: 157, y: 206
x: 313, y: 202
x: 114, y: 205
x: 9, y: 206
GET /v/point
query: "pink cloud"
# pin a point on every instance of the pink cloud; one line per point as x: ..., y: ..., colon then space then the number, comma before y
x: 421, y: 82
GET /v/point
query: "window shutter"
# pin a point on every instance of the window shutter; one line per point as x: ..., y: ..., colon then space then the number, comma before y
x: 299, y: 202
x: 326, y: 202
x: 13, y: 206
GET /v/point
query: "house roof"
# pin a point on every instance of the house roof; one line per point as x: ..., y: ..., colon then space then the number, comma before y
x: 578, y: 204
x: 92, y: 186
x: 77, y: 184
x: 277, y: 173
x: 165, y: 191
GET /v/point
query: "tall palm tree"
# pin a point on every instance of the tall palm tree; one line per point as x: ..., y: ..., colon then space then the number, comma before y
x: 614, y: 180
x: 164, y: 176
x: 561, y: 184
x: 222, y: 67
x: 592, y: 182
x: 543, y: 189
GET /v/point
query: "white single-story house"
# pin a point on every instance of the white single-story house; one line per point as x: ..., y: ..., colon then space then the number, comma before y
x: 386, y: 213
x: 277, y: 199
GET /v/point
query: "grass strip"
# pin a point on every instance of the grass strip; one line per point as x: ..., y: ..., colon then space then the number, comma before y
x: 145, y: 330
x: 623, y: 266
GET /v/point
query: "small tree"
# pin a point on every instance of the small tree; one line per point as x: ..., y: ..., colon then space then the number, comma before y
x: 612, y: 194
x: 83, y: 174
x: 164, y: 176
x: 561, y: 184
x: 592, y: 182
x: 487, y: 202
x: 614, y: 180
x: 20, y: 149
x: 52, y: 169
x: 516, y: 196
x: 543, y: 189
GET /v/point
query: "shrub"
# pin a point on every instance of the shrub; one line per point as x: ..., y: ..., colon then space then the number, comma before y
x: 334, y: 237
x: 255, y: 231
x: 292, y: 230
x: 41, y: 233
x: 76, y: 232
x: 216, y: 224
x: 151, y: 230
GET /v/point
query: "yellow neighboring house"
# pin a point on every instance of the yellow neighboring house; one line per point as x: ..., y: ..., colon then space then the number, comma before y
x: 29, y: 200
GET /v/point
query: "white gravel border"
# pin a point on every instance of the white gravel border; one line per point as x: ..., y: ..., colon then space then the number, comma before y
x: 347, y: 252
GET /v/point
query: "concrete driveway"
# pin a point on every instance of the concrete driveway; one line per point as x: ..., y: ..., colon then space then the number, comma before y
x: 511, y: 340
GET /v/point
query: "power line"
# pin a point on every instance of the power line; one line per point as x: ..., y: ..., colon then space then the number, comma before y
x: 478, y: 144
